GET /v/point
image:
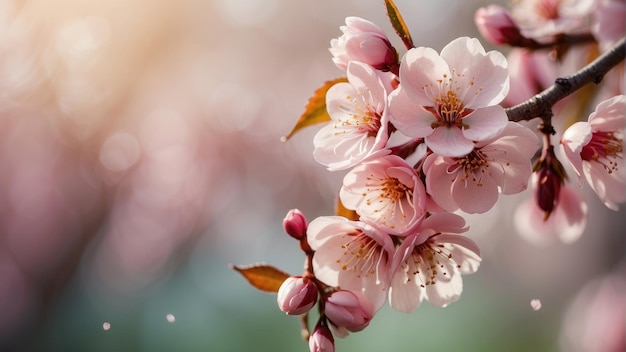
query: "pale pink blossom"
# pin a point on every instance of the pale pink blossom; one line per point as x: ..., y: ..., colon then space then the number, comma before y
x: 359, y: 129
x: 428, y: 264
x: 473, y: 182
x: 296, y: 295
x: 531, y: 72
x: 496, y: 24
x: 349, y: 309
x: 363, y: 41
x: 543, y: 19
x: 596, y: 318
x: 321, y: 340
x: 387, y: 193
x: 566, y: 223
x: 595, y: 150
x: 609, y: 22
x: 450, y: 99
x: 352, y: 255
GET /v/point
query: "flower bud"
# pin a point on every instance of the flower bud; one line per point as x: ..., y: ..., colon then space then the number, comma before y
x: 321, y: 340
x: 551, y: 176
x: 296, y: 295
x: 365, y: 42
x: 349, y: 309
x: 497, y: 26
x: 295, y: 224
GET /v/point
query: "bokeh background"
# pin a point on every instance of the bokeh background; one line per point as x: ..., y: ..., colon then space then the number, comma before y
x: 140, y: 155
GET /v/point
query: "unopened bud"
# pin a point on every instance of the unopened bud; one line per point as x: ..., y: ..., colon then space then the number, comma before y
x: 365, y: 42
x: 497, y: 26
x: 349, y: 309
x: 296, y: 295
x: 551, y: 176
x: 295, y: 224
x: 321, y: 340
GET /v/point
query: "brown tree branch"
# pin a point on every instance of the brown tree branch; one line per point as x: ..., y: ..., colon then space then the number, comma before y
x: 541, y: 104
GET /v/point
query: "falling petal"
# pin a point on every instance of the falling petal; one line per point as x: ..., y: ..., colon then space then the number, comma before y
x: 535, y: 304
x: 171, y: 318
x: 106, y: 326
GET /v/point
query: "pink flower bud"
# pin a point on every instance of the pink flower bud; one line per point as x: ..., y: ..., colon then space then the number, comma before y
x: 497, y: 26
x: 321, y: 340
x: 363, y: 41
x: 349, y: 309
x: 551, y: 177
x: 296, y: 295
x: 295, y: 224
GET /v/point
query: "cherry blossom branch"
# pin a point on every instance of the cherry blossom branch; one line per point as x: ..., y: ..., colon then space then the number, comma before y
x: 541, y: 104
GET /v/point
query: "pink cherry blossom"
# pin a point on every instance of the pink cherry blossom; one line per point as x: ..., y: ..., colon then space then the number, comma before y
x: 359, y: 129
x: 428, y: 264
x: 566, y: 223
x: 473, y: 182
x: 596, y: 317
x: 609, y: 22
x: 595, y: 150
x: 349, y: 309
x: 497, y: 26
x: 387, y: 193
x: 531, y: 72
x: 543, y: 19
x: 363, y: 41
x: 450, y: 99
x: 352, y: 255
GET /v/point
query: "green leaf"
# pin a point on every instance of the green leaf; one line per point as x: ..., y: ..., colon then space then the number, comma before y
x: 263, y: 277
x: 398, y: 24
x: 315, y: 111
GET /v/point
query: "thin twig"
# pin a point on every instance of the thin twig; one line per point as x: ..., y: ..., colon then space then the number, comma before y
x: 562, y: 87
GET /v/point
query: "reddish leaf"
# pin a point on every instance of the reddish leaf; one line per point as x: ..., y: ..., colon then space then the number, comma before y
x: 263, y: 277
x: 345, y: 212
x: 398, y: 24
x: 315, y: 111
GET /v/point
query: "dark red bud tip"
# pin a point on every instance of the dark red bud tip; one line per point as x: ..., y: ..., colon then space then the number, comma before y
x: 295, y: 224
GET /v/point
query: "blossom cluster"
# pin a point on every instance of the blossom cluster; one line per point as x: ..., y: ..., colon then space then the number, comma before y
x: 424, y: 138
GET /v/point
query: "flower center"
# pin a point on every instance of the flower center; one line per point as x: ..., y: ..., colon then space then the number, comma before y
x: 361, y: 115
x: 361, y: 254
x: 449, y: 106
x: 427, y: 261
x: 389, y: 200
x: 394, y: 190
x: 472, y: 163
x: 604, y: 148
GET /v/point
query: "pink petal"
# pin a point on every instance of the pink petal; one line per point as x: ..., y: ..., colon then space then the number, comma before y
x: 404, y: 296
x: 443, y: 293
x: 408, y: 117
x: 485, y: 123
x: 572, y: 142
x: 422, y: 67
x: 488, y: 71
x: 439, y: 182
x: 449, y: 141
x: 474, y: 197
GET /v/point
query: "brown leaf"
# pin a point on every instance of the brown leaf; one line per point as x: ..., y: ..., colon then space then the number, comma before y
x: 315, y: 111
x: 262, y: 276
x: 398, y: 24
x: 345, y: 212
